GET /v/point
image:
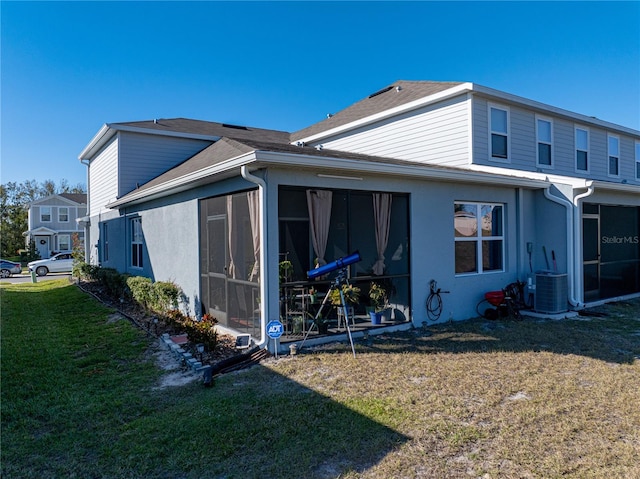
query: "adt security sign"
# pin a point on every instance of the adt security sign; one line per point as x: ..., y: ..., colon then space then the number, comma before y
x: 274, y: 329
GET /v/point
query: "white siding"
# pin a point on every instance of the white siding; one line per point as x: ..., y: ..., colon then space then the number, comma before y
x: 143, y: 157
x: 434, y: 134
x: 103, y: 178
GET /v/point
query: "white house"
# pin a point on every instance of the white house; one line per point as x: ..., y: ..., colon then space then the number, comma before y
x: 52, y: 222
x: 430, y: 181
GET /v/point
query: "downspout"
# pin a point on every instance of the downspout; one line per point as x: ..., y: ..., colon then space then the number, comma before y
x: 570, y: 243
x: 578, y: 284
x: 264, y: 294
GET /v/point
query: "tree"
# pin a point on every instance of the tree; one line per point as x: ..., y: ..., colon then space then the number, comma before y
x: 14, y: 207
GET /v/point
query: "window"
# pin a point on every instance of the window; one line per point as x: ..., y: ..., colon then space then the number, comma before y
x: 479, y: 237
x: 63, y: 214
x: 499, y: 118
x: 582, y: 149
x: 614, y: 155
x: 637, y: 160
x: 544, y: 132
x: 45, y: 214
x: 136, y: 242
x: 64, y: 242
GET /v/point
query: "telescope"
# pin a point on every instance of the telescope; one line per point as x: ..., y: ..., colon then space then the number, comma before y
x: 334, y: 265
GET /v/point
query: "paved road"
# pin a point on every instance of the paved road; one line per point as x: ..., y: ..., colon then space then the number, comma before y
x: 26, y: 278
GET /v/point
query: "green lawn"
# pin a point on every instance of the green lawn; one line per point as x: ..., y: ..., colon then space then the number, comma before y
x: 80, y: 398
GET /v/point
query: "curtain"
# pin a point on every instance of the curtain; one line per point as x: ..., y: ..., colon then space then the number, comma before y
x: 232, y: 271
x: 382, y: 218
x: 253, y: 198
x: 319, y: 205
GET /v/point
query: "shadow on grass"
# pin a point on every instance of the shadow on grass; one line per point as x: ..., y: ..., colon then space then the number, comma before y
x: 609, y: 333
x: 87, y: 405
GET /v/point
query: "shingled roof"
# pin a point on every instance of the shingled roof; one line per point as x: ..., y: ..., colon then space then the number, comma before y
x: 206, y: 128
x: 394, y: 95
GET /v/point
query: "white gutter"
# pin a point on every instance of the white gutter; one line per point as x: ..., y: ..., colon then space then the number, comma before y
x: 264, y: 290
x: 574, y: 250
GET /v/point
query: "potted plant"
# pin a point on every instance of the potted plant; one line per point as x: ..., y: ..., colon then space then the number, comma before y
x: 322, y: 324
x: 350, y: 292
x: 378, y: 298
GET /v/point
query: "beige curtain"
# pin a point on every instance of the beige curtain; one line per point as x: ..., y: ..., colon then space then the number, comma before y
x: 319, y: 205
x: 382, y: 218
x: 253, y: 198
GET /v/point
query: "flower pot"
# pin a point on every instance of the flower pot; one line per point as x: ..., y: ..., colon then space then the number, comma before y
x: 376, y: 318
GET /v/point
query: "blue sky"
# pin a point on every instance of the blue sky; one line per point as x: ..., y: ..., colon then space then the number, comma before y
x: 70, y: 67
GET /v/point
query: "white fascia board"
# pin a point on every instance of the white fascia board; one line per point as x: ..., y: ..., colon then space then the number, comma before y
x: 589, y: 120
x: 621, y: 187
x: 419, y: 171
x: 104, y: 134
x: 436, y: 97
x: 183, y: 182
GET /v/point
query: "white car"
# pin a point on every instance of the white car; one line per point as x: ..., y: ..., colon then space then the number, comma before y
x: 59, y: 263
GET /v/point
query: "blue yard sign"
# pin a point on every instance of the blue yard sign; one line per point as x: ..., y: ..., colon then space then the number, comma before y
x: 274, y: 329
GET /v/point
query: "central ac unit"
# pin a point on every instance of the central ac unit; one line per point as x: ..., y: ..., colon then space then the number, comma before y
x: 551, y: 293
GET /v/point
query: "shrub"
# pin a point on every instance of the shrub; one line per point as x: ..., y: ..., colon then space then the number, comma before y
x: 114, y: 282
x: 141, y: 289
x: 165, y: 296
x: 203, y: 331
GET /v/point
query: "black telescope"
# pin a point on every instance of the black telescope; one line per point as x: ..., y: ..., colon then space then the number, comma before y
x: 335, y: 265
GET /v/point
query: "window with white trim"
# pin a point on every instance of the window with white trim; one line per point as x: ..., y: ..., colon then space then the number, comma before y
x: 63, y: 214
x: 499, y: 132
x: 613, y: 143
x: 64, y: 242
x: 582, y: 149
x: 637, y: 160
x: 136, y: 243
x: 45, y: 214
x: 544, y: 133
x: 479, y: 237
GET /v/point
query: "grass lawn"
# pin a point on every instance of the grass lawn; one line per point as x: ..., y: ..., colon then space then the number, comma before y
x: 81, y: 398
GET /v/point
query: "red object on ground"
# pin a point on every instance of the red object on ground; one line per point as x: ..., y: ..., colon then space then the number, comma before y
x: 495, y: 298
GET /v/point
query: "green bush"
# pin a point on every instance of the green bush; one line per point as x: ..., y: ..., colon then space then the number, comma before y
x: 114, y: 282
x: 203, y: 331
x: 165, y: 296
x: 141, y: 289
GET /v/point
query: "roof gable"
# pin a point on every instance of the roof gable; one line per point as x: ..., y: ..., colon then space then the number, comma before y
x: 399, y: 93
x: 73, y: 199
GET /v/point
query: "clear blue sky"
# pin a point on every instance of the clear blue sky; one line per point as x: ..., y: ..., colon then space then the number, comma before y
x: 70, y: 67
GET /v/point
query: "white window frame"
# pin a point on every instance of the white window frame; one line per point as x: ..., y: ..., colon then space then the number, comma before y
x: 610, y: 155
x: 637, y: 160
x: 137, y: 243
x: 60, y: 214
x: 60, y: 242
x: 577, y: 149
x: 478, y: 238
x: 540, y: 141
x: 46, y: 209
x: 507, y: 134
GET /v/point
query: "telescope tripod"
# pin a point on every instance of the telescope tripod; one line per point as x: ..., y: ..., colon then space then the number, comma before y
x: 341, y: 279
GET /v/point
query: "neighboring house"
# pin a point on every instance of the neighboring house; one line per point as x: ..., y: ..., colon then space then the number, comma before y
x: 453, y: 182
x: 52, y: 222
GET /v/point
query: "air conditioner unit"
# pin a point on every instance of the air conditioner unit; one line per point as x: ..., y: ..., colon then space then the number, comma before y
x: 551, y: 293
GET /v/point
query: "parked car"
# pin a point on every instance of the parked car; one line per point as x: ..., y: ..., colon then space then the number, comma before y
x: 7, y: 268
x: 59, y: 263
